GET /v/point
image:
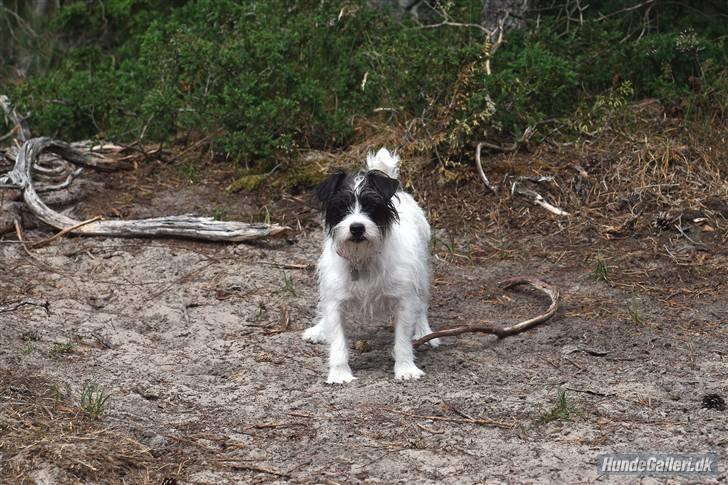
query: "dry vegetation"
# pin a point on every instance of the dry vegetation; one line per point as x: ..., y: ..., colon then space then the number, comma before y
x: 46, y: 436
x: 644, y: 254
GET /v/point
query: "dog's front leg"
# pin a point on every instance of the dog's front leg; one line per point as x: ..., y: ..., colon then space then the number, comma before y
x: 404, y: 356
x: 339, y: 370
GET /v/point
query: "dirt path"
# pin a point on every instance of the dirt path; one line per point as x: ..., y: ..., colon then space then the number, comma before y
x: 199, y: 346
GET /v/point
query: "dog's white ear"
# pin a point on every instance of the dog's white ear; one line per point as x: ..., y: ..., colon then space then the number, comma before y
x: 385, y: 161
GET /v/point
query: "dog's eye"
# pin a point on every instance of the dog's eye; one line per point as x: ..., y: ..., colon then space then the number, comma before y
x: 338, y: 208
x: 370, y: 200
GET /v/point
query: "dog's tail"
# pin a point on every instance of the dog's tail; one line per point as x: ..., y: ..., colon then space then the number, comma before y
x: 385, y: 161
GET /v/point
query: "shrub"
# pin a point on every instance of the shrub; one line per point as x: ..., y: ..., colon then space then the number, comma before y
x: 267, y: 77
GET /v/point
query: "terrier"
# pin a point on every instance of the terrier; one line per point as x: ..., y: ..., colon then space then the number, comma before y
x: 375, y: 263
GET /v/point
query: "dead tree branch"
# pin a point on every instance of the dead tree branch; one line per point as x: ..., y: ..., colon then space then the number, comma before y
x: 537, y: 199
x: 14, y: 306
x: 478, y: 164
x: 507, y: 147
x: 21, y: 125
x: 188, y: 226
x: 468, y: 420
x: 501, y: 332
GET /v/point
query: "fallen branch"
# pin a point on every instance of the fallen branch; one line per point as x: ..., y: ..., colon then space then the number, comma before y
x: 253, y: 468
x: 502, y: 332
x: 499, y: 40
x: 478, y: 164
x: 187, y: 226
x: 508, y: 147
x: 480, y: 421
x: 14, y: 306
x: 9, y: 212
x: 537, y: 199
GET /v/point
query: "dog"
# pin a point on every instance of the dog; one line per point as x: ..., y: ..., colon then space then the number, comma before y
x: 375, y: 263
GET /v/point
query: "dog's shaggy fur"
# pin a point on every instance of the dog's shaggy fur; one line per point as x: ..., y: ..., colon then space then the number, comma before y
x: 375, y: 262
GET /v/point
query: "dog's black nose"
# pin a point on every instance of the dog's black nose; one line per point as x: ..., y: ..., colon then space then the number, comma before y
x: 357, y: 229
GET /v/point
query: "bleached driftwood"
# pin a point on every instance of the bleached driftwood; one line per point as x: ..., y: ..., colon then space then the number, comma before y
x: 501, y: 332
x: 537, y: 199
x: 478, y: 164
x: 22, y: 132
x: 187, y: 226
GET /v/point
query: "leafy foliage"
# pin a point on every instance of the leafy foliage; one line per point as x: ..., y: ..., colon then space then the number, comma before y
x: 267, y: 77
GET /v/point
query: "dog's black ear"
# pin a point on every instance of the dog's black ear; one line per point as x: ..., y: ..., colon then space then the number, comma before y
x: 382, y: 183
x: 328, y: 187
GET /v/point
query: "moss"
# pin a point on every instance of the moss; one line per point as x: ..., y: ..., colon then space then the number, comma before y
x: 302, y: 176
x: 248, y: 182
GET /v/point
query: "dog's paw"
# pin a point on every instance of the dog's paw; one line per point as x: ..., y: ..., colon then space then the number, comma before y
x: 434, y: 343
x: 340, y: 375
x: 315, y: 335
x: 407, y: 371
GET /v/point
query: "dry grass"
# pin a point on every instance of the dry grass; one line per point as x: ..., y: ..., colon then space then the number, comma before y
x: 42, y: 434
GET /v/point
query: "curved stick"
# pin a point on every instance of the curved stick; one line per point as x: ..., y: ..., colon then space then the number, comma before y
x: 174, y: 226
x: 502, y: 332
x: 478, y: 163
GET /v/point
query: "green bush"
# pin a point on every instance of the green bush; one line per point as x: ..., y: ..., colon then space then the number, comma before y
x: 267, y: 77
x: 582, y: 74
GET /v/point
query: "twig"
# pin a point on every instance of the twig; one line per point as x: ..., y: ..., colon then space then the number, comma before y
x: 23, y: 132
x: 21, y: 239
x: 448, y: 23
x: 478, y: 164
x: 510, y: 147
x: 14, y: 306
x: 480, y: 421
x: 500, y: 29
x: 253, y: 468
x: 537, y: 199
x: 65, y: 231
x: 306, y: 267
x: 627, y: 9
x: 9, y: 134
x: 678, y: 226
x: 588, y: 391
x: 502, y: 332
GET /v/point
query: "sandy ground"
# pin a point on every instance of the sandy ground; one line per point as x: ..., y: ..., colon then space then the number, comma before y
x: 200, y: 347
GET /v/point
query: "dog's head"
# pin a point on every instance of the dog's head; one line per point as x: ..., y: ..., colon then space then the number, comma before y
x: 358, y: 212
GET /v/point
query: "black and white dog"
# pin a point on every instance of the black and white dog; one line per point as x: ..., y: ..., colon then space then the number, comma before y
x: 375, y: 263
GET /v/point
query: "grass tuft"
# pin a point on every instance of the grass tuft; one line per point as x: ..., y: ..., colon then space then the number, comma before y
x: 563, y: 410
x: 288, y: 284
x: 600, y: 271
x: 93, y: 399
x: 61, y: 349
